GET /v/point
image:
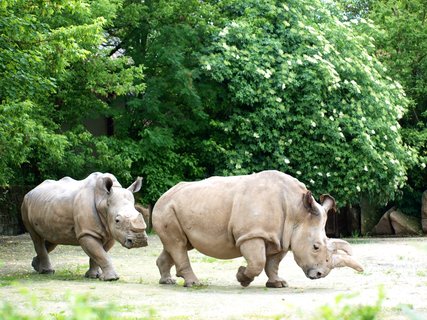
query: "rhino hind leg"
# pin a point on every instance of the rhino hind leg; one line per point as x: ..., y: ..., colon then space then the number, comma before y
x: 165, y: 262
x: 272, y: 268
x: 253, y: 251
x: 41, y: 262
x: 179, y: 255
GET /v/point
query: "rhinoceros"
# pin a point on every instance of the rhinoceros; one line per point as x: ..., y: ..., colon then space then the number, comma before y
x: 260, y: 216
x: 92, y: 213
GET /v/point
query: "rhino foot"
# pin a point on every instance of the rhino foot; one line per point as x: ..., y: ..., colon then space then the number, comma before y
x: 167, y: 281
x: 189, y: 284
x: 277, y: 284
x: 91, y: 274
x: 35, y: 264
x: 109, y: 276
x: 242, y: 278
x: 47, y: 271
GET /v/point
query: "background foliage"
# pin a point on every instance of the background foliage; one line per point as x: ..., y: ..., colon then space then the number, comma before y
x: 194, y: 88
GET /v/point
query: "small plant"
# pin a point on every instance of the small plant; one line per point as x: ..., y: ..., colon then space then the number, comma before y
x: 79, y: 307
x: 343, y: 310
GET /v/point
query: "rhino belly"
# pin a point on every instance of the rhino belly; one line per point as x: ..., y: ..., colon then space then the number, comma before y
x: 54, y: 226
x: 213, y: 245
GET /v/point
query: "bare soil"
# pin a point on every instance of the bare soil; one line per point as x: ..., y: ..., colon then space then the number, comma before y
x: 397, y: 264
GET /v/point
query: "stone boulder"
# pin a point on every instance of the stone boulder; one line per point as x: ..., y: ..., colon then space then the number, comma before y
x: 424, y: 211
x: 384, y: 227
x: 145, y: 214
x: 394, y: 222
x: 404, y: 224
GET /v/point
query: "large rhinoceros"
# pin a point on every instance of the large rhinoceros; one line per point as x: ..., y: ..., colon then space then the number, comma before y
x: 260, y: 216
x: 92, y: 213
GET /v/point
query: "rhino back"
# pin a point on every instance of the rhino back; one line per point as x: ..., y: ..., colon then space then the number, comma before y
x: 217, y: 213
x: 48, y: 209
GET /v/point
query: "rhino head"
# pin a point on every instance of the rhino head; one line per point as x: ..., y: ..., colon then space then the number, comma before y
x: 313, y: 251
x: 124, y: 222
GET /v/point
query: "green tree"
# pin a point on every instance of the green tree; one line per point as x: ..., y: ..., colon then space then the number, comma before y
x: 401, y: 46
x: 305, y: 94
x: 55, y: 70
x: 167, y: 123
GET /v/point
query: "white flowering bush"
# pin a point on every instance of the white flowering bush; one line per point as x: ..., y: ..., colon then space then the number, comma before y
x: 303, y: 93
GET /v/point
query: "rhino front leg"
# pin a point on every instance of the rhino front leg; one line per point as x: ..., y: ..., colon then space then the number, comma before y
x: 94, y: 271
x: 272, y: 268
x: 254, y: 252
x: 95, y: 250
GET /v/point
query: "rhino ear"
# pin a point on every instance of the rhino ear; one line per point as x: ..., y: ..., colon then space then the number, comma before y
x: 309, y: 203
x: 328, y: 203
x: 106, y: 184
x: 136, y: 186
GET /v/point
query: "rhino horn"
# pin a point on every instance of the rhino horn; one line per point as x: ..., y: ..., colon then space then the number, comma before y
x: 344, y: 260
x: 338, y: 244
x: 138, y: 225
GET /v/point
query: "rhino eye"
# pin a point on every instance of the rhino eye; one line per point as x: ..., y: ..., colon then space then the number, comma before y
x: 316, y: 247
x: 117, y: 219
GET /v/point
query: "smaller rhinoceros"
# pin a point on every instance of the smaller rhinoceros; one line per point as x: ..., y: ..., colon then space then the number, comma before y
x: 92, y: 213
x: 260, y: 216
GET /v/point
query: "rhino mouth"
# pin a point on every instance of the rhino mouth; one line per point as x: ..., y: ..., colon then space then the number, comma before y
x: 135, y: 241
x: 315, y: 273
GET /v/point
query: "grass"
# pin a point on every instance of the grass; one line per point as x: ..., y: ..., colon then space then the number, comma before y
x: 78, y: 307
x: 86, y: 307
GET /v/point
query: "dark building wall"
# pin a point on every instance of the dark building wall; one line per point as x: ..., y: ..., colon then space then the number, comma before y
x: 10, y: 210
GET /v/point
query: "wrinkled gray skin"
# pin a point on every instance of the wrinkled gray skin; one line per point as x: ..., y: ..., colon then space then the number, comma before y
x: 91, y: 213
x: 260, y: 217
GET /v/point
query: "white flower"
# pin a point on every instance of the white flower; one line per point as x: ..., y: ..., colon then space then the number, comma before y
x: 298, y: 172
x: 278, y: 99
x: 365, y: 168
x: 208, y: 67
x: 313, y: 124
x: 312, y: 181
x: 287, y: 161
x: 223, y: 32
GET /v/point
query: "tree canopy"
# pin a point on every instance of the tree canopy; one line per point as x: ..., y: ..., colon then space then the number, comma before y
x: 200, y: 88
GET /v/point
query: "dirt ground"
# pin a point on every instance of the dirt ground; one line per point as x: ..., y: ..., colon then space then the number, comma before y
x: 399, y: 265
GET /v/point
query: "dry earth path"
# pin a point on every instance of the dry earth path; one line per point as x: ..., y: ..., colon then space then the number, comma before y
x: 399, y: 265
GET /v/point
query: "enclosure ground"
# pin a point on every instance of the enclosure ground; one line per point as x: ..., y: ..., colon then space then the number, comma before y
x: 399, y: 265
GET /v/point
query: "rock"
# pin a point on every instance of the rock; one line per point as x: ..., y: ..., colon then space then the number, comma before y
x: 424, y: 211
x: 384, y: 227
x: 145, y: 213
x: 404, y: 224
